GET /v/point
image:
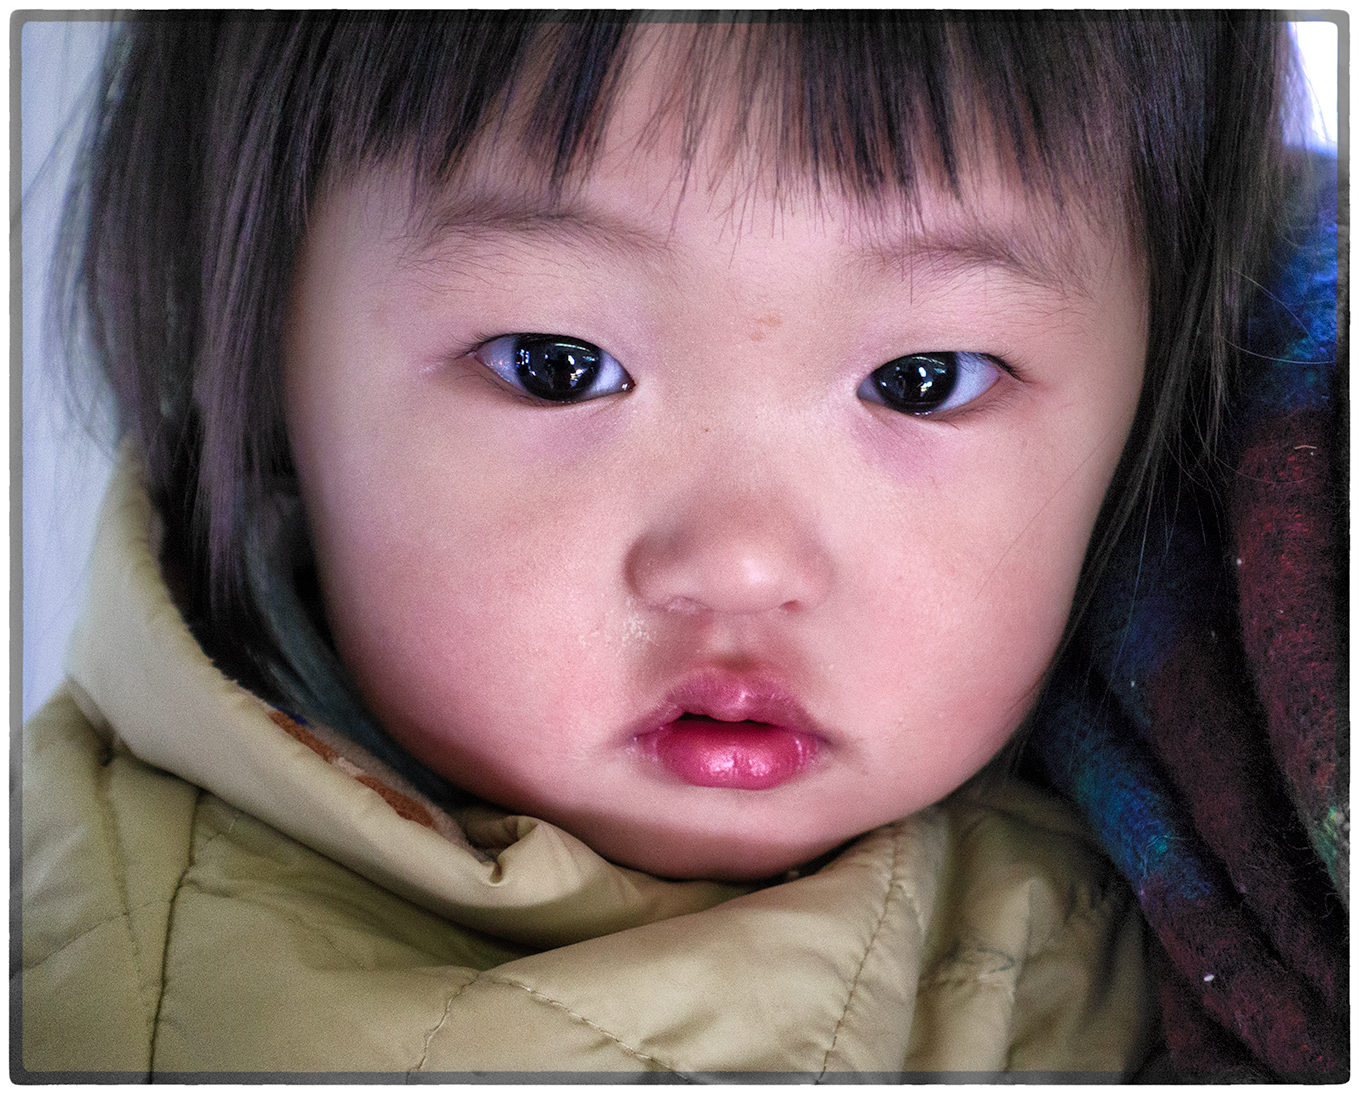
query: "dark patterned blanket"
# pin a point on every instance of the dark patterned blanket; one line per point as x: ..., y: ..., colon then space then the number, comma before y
x: 1199, y: 718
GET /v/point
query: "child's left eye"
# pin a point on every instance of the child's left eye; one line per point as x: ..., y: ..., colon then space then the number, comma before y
x: 927, y: 383
x: 553, y: 367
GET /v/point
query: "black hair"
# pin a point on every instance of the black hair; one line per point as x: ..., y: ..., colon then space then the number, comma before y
x: 213, y: 134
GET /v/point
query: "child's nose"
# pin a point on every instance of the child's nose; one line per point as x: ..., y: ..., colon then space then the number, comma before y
x: 734, y: 555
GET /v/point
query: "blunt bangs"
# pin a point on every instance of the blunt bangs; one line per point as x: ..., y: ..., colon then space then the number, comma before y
x: 862, y: 104
x: 216, y: 132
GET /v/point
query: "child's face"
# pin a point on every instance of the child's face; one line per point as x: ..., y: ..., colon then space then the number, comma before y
x: 736, y: 605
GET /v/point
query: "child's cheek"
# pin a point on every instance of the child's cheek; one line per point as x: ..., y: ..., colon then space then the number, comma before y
x: 986, y: 532
x: 467, y: 595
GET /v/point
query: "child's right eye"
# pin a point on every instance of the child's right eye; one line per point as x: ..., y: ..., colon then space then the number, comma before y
x: 554, y: 368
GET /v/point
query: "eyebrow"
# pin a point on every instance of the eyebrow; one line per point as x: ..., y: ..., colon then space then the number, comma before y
x: 477, y: 215
x: 1021, y: 252
x: 487, y: 215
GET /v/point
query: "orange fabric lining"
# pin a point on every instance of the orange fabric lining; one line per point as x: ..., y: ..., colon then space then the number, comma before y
x: 405, y: 807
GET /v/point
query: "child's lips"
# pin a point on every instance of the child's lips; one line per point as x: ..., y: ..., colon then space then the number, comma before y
x: 723, y: 730
x: 735, y: 755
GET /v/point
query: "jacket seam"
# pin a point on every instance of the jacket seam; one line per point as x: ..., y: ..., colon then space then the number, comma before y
x: 1095, y: 912
x: 313, y: 930
x: 1102, y: 909
x: 191, y: 859
x: 294, y: 920
x: 1027, y: 960
x: 109, y: 826
x: 124, y: 915
x: 863, y: 961
x: 547, y: 999
x: 112, y: 833
x: 448, y: 1009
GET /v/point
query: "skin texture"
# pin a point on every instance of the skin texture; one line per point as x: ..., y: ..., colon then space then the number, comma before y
x: 517, y: 587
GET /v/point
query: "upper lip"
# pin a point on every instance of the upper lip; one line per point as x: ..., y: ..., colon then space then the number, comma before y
x: 727, y: 696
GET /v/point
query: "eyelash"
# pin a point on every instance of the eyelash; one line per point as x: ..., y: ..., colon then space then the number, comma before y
x: 556, y: 370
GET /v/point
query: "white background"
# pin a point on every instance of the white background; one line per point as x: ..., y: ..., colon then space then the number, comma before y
x: 66, y: 445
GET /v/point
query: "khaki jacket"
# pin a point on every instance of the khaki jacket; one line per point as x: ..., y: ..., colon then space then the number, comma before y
x: 208, y: 887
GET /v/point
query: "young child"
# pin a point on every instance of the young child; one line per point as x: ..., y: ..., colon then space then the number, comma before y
x: 601, y: 501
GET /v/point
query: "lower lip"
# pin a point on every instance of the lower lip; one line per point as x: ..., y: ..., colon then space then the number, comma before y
x: 734, y: 755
